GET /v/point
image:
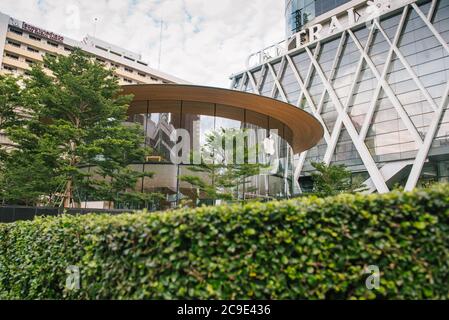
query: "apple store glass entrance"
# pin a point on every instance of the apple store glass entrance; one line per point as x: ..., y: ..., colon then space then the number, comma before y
x: 211, y: 145
x: 264, y: 172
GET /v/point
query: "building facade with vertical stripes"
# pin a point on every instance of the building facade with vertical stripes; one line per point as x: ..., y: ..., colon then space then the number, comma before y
x: 376, y: 75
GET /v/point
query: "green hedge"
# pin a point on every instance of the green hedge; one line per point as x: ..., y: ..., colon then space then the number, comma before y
x: 299, y: 249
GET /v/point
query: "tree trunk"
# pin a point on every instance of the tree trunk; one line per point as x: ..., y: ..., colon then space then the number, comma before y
x: 68, y: 194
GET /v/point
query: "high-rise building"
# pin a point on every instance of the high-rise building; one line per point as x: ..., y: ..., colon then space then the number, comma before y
x: 299, y: 12
x: 22, y: 44
x: 376, y: 75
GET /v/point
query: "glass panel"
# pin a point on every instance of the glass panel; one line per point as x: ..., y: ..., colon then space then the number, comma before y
x: 188, y: 191
x: 164, y: 181
x: 267, y: 84
x: 228, y: 117
x: 315, y: 87
x: 379, y: 50
x: 290, y: 85
x: 276, y: 186
x: 198, y: 119
x: 327, y: 55
x: 302, y: 63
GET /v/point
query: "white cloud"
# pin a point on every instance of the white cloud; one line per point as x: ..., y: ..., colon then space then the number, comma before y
x: 204, y: 41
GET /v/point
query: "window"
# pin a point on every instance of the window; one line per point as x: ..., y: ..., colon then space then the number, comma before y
x: 101, y: 48
x: 323, y: 6
x: 9, y: 68
x: 115, y: 65
x: 143, y: 75
x: 100, y: 60
x: 131, y: 59
x: 154, y: 79
x: 16, y: 31
x: 14, y: 43
x: 127, y: 80
x: 129, y: 70
x: 68, y: 49
x: 117, y: 54
x: 51, y: 55
x: 30, y: 62
x: 143, y: 63
x: 31, y: 49
x: 34, y: 38
x: 12, y: 56
x: 53, y: 44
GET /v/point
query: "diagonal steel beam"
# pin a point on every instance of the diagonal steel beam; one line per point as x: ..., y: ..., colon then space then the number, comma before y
x: 243, y: 81
x: 317, y: 110
x: 263, y: 73
x: 423, y: 152
x: 309, y: 74
x: 431, y: 27
x: 308, y: 78
x: 390, y: 94
x: 253, y: 82
x: 333, y: 70
x: 278, y: 78
x: 372, y: 108
x: 338, y: 124
x: 307, y: 96
x: 409, y: 68
x: 433, y: 6
x: 276, y: 84
x: 361, y: 147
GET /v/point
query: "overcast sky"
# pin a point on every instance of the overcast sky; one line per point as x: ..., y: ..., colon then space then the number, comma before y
x: 204, y: 41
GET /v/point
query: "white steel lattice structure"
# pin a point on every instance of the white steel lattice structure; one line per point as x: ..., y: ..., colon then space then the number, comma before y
x: 379, y: 87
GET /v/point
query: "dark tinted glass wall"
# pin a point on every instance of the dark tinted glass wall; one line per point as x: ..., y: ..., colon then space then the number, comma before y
x: 323, y: 6
x: 300, y: 12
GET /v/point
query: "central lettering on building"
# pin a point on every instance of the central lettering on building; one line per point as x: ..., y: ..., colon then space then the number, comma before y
x: 337, y: 23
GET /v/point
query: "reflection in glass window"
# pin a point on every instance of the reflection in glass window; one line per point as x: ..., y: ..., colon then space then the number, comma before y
x: 160, y: 119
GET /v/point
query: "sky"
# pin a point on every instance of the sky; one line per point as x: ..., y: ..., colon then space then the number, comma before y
x: 203, y: 41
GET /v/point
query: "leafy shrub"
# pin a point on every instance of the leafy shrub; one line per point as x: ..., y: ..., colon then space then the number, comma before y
x: 308, y: 248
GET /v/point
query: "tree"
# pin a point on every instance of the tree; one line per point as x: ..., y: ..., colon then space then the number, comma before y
x: 62, y: 122
x: 10, y: 99
x: 219, y: 175
x: 334, y: 179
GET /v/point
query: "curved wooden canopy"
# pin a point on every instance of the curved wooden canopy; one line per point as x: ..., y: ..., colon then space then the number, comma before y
x: 306, y: 130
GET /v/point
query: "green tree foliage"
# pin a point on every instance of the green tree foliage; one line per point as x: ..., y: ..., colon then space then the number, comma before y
x: 220, y: 176
x: 61, y: 123
x: 307, y: 248
x: 334, y: 179
x: 10, y: 98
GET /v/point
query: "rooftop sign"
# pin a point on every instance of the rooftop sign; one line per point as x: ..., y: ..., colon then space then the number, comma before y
x: 42, y: 33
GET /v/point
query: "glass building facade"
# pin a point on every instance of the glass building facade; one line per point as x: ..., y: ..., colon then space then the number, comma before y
x: 380, y: 89
x: 159, y: 119
x: 300, y: 12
